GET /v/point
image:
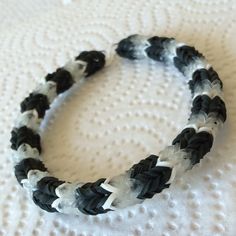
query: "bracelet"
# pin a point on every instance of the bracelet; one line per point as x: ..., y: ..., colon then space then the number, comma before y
x: 144, y: 179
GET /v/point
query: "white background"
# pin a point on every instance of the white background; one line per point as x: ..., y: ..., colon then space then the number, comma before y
x: 120, y: 116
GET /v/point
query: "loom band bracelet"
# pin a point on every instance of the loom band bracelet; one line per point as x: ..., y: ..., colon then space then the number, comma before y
x: 144, y: 179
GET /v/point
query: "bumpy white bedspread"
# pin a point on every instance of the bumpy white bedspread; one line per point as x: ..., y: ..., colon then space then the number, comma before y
x: 122, y: 114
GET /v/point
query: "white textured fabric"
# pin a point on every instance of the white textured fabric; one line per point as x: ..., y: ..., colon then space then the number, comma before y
x: 121, y: 115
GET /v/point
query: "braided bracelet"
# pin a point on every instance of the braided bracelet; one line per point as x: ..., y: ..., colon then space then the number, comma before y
x: 144, y: 179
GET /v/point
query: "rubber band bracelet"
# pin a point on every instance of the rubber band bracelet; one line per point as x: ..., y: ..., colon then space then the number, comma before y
x: 144, y: 179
